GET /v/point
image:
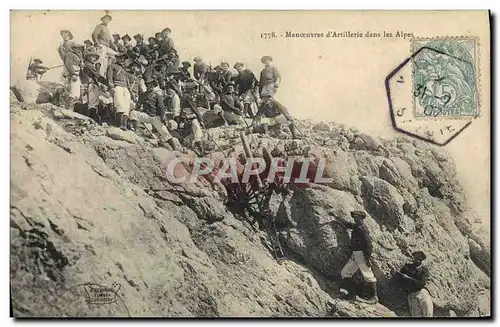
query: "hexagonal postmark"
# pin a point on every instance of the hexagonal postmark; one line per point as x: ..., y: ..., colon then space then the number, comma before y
x: 434, y: 94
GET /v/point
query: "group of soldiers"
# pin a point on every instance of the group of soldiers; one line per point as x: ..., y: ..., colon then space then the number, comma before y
x: 144, y: 82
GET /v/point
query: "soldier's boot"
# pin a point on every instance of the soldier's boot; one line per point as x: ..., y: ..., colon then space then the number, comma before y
x: 123, y: 122
x: 221, y: 115
x: 373, y: 299
x: 348, y: 289
x: 133, y: 125
x: 248, y: 110
x: 200, y: 147
x: 71, y: 104
x: 94, y: 115
x: 175, y: 144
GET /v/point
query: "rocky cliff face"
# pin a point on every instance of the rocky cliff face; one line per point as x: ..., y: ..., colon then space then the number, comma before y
x: 90, y: 204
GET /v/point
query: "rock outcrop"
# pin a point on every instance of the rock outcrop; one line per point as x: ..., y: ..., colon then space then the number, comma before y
x: 91, y: 204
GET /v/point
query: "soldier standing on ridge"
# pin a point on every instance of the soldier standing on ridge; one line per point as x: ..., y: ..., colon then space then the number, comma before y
x: 91, y: 77
x: 270, y: 78
x: 63, y: 49
x: 72, y: 63
x: 361, y: 247
x: 246, y: 86
x: 166, y: 44
x: 191, y: 120
x: 119, y: 87
x: 104, y: 43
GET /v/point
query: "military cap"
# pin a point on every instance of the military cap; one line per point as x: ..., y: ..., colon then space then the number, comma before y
x: 152, y: 38
x: 419, y: 255
x: 157, y: 34
x: 67, y: 32
x: 126, y: 36
x: 88, y: 41
x: 37, y: 60
x: 358, y: 214
x: 186, y: 63
x: 197, y: 58
x: 238, y: 64
x: 218, y: 68
x: 224, y: 63
x: 266, y: 57
x: 230, y: 84
x: 138, y: 36
x: 167, y: 29
x: 106, y: 16
x: 116, y: 34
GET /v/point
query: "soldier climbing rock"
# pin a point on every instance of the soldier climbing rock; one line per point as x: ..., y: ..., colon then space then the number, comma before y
x: 414, y: 277
x: 361, y: 247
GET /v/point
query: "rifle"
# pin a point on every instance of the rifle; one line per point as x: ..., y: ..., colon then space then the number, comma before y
x: 55, y: 67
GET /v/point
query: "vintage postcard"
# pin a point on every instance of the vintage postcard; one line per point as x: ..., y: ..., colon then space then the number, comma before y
x: 303, y: 164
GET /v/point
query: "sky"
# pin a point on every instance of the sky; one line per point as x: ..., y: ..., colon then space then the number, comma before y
x: 338, y: 80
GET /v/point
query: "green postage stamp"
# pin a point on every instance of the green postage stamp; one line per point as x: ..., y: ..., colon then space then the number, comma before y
x: 445, y: 77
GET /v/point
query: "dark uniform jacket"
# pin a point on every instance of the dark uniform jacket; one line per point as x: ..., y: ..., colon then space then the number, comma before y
x: 71, y: 59
x: 166, y: 45
x: 420, y: 275
x: 152, y: 103
x: 245, y: 81
x: 199, y: 70
x: 360, y: 239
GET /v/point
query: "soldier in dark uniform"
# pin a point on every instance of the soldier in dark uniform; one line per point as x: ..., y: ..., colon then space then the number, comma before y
x: 140, y: 47
x: 272, y: 114
x: 91, y: 77
x: 185, y: 74
x: 191, y: 122
x: 246, y: 87
x: 150, y: 109
x: 361, y: 248
x: 414, y: 277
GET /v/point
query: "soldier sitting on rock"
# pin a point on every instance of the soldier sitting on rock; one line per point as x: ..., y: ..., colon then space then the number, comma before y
x: 272, y: 115
x: 414, y: 277
x: 149, y: 110
x: 361, y: 247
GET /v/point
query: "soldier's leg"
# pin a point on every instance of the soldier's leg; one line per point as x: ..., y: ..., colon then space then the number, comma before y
x: 197, y: 132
